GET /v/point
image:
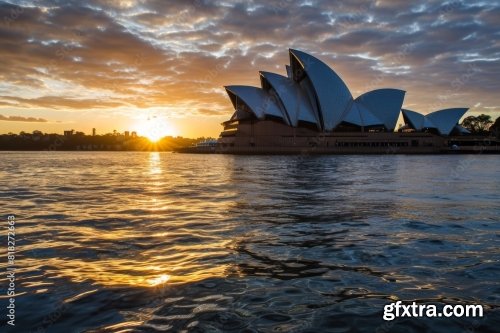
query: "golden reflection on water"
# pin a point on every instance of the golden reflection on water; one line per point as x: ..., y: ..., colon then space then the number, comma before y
x: 122, y: 272
x: 161, y: 279
x: 137, y: 263
x: 154, y: 163
x: 286, y: 226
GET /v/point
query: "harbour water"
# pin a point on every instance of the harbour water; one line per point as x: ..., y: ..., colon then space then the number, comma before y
x: 150, y: 242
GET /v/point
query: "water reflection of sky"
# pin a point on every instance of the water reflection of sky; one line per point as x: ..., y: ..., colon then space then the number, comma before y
x: 343, y: 227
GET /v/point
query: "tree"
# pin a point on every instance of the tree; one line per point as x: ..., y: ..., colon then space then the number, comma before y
x: 495, y: 128
x: 477, y: 125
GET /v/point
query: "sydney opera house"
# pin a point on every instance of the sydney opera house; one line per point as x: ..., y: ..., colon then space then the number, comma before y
x: 312, y: 110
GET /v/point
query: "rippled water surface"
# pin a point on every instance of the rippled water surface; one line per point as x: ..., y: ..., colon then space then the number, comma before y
x: 149, y: 242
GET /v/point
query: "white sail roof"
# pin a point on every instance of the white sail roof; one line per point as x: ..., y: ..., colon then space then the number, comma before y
x: 312, y: 92
x: 446, y: 119
x: 442, y: 120
x: 385, y: 104
x: 361, y: 116
x: 292, y: 97
x: 259, y: 102
x: 414, y: 119
x: 332, y: 94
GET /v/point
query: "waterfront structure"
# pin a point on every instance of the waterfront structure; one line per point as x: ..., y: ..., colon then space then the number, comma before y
x: 312, y: 110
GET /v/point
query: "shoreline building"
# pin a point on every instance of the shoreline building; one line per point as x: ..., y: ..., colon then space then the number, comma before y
x: 311, y: 110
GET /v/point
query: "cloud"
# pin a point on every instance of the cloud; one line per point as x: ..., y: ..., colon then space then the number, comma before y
x: 72, y: 55
x: 23, y: 119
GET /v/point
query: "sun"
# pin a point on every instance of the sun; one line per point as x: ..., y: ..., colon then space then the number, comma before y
x: 154, y: 137
x: 154, y: 128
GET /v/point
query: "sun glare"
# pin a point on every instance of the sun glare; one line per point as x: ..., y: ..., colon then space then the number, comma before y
x: 159, y: 280
x: 155, y: 128
x: 154, y: 136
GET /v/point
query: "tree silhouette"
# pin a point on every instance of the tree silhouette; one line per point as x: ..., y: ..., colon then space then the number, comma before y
x: 495, y: 128
x: 477, y: 125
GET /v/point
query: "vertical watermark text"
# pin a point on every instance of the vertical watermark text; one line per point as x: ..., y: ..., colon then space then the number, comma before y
x: 11, y: 270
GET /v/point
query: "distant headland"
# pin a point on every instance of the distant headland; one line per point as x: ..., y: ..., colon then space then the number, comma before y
x: 74, y: 141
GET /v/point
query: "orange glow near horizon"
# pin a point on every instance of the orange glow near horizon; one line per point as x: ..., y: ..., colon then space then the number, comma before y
x: 154, y: 128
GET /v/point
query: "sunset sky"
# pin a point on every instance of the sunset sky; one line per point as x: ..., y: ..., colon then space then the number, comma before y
x: 113, y: 65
